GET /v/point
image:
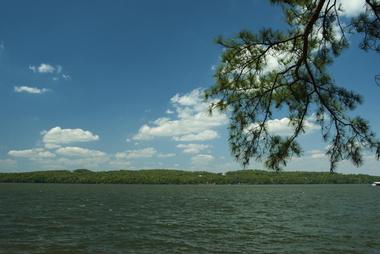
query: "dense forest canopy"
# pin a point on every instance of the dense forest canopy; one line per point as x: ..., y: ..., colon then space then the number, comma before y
x: 162, y: 176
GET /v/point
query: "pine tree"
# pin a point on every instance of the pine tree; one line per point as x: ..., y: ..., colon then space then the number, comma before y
x: 271, y: 71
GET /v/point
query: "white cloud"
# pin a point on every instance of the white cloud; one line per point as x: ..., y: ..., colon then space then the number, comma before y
x: 43, y: 68
x: 66, y: 76
x: 32, y: 68
x: 33, y: 154
x: 121, y: 155
x: 202, y: 159
x: 2, y: 45
x: 191, y: 121
x: 57, y: 136
x: 316, y: 154
x: 29, y: 89
x: 142, y: 153
x: 274, y: 60
x: 79, y: 152
x: 282, y: 126
x: 64, y: 157
x: 190, y: 99
x: 352, y: 8
x: 139, y: 153
x: 192, y: 148
x: 202, y: 136
x: 166, y: 155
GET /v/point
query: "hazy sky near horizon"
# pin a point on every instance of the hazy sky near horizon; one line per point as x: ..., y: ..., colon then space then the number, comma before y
x: 117, y: 84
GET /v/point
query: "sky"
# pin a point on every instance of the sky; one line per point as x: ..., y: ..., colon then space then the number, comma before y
x: 108, y: 85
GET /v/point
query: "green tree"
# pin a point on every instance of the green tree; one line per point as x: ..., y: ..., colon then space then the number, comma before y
x: 287, y: 71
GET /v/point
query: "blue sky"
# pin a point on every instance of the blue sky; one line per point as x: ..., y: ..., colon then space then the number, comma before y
x: 117, y: 84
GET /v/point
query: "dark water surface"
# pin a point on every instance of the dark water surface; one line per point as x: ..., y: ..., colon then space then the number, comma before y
x: 64, y: 218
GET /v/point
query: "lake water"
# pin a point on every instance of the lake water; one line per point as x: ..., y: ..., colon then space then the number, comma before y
x: 64, y: 218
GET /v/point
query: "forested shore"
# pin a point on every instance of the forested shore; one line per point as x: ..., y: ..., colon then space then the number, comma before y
x: 164, y: 176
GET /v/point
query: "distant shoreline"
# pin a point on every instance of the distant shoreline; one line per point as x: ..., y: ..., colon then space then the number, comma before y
x: 164, y: 176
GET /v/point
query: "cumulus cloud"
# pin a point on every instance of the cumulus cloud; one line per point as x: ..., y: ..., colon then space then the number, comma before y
x: 55, y: 155
x: 33, y: 154
x: 202, y: 159
x: 139, y: 153
x: 44, y: 68
x: 282, y: 126
x: 193, y: 148
x: 55, y: 137
x: 64, y: 157
x: 352, y: 8
x: 148, y: 152
x: 73, y: 151
x: 29, y: 89
x: 201, y: 136
x: 120, y: 155
x: 190, y: 122
x: 316, y: 154
x: 166, y: 155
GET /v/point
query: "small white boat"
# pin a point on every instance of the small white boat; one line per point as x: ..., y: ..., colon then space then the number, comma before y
x: 376, y: 184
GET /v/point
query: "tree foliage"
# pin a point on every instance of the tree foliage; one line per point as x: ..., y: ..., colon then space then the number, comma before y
x: 276, y: 71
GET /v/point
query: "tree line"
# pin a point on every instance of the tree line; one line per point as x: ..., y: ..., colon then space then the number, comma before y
x: 164, y: 176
